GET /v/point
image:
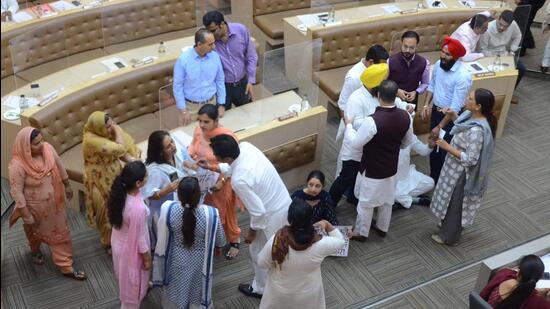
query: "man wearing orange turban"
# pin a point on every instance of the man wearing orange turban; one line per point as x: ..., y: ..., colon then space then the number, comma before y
x: 448, y: 88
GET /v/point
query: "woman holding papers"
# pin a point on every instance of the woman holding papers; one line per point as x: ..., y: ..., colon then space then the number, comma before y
x: 221, y: 195
x: 294, y: 256
x: 464, y: 175
x: 317, y: 198
x: 105, y: 146
x: 164, y: 169
x: 187, y: 235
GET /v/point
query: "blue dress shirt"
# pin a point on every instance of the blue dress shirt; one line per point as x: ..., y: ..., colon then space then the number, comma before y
x: 450, y: 88
x: 198, y: 78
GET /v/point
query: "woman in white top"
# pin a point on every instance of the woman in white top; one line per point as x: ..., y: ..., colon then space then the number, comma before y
x: 294, y: 256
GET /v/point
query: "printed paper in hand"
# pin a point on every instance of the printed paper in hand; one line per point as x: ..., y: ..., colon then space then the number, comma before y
x: 545, y: 284
x: 441, y: 136
x: 345, y: 230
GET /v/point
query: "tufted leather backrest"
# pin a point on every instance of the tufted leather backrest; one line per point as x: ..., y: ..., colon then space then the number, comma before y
x: 262, y: 7
x: 293, y: 154
x: 90, y: 29
x: 124, y: 97
x: 345, y: 45
x: 144, y: 18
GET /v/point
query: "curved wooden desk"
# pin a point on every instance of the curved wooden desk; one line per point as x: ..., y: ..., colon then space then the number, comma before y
x: 42, y: 46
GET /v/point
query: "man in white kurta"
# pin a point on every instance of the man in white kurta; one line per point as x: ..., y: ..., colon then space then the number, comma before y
x: 263, y: 193
x: 380, y: 136
x: 410, y: 182
x: 469, y: 33
x: 375, y: 55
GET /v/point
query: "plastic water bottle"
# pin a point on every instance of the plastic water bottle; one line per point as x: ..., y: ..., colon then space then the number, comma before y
x: 304, y: 105
x: 497, y: 64
x: 23, y: 103
x: 162, y: 48
x: 331, y: 15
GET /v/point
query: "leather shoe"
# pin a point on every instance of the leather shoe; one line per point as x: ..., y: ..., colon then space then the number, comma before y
x: 246, y: 289
x: 359, y: 238
x: 379, y: 231
x: 514, y: 100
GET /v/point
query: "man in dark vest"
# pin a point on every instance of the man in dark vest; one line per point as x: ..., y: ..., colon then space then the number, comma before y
x: 381, y: 136
x: 409, y: 70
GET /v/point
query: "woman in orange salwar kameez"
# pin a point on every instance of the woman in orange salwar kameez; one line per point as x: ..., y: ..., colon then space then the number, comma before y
x: 39, y: 186
x: 222, y: 196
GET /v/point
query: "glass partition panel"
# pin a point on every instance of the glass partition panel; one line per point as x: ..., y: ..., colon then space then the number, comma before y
x: 292, y: 68
x: 168, y: 112
x: 40, y: 56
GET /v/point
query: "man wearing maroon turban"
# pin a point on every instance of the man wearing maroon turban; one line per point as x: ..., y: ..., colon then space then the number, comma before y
x: 448, y: 88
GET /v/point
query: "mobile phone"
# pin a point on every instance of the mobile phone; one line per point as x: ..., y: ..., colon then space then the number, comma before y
x: 76, y: 3
x: 174, y: 176
x: 436, y: 3
x: 119, y: 64
x: 477, y: 67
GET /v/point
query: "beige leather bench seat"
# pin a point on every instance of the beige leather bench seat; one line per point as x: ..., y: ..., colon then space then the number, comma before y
x: 272, y: 24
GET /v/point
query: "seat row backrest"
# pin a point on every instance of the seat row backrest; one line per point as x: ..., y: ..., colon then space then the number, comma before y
x: 124, y: 97
x: 262, y: 7
x: 70, y: 34
x: 346, y: 45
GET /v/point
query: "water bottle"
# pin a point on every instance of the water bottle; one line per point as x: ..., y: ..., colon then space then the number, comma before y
x: 331, y: 15
x: 162, y: 48
x: 35, y: 91
x: 23, y: 104
x: 497, y: 64
x: 304, y: 105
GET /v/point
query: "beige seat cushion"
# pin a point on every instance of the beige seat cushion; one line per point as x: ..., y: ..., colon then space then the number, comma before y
x: 331, y: 81
x: 139, y: 128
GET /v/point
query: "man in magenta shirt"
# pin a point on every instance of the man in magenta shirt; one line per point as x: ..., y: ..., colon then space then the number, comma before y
x: 238, y: 56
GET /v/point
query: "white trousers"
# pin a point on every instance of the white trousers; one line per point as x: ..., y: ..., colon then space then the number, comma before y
x: 546, y: 57
x: 365, y: 215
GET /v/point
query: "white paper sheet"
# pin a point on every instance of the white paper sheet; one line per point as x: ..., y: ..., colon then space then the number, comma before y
x: 467, y: 3
x: 21, y: 16
x: 310, y: 20
x: 13, y: 102
x: 475, y: 67
x: 345, y: 230
x: 391, y: 9
x: 62, y: 5
x: 110, y: 63
x: 545, y: 284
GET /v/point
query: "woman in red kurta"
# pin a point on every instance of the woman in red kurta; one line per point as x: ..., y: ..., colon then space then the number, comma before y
x: 516, y: 289
x: 222, y: 196
x: 39, y: 186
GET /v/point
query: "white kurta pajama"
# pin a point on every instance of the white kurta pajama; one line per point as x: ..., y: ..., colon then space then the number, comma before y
x: 371, y: 192
x: 263, y: 193
x: 410, y: 182
x: 298, y: 283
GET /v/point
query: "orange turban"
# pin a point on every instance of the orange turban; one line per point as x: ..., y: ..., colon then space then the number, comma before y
x: 455, y: 47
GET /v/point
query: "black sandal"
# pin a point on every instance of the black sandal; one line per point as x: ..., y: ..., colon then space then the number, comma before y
x: 235, y: 245
x: 37, y: 258
x: 76, y: 275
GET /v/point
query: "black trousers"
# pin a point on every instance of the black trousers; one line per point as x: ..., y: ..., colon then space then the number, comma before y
x: 345, y: 180
x: 437, y: 158
x: 235, y: 93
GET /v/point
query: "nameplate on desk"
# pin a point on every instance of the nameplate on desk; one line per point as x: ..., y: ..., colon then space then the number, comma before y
x: 485, y: 74
x: 287, y: 116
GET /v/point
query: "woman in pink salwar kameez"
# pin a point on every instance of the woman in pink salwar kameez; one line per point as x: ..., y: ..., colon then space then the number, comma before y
x: 130, y: 237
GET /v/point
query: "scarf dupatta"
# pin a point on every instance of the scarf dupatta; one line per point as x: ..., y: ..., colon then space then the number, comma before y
x: 283, y: 240
x: 478, y: 175
x: 22, y: 155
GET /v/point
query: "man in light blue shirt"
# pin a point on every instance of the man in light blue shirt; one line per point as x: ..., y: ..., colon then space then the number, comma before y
x: 198, y: 77
x: 449, y: 88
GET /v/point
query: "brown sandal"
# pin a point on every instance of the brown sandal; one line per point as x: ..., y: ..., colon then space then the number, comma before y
x: 76, y: 275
